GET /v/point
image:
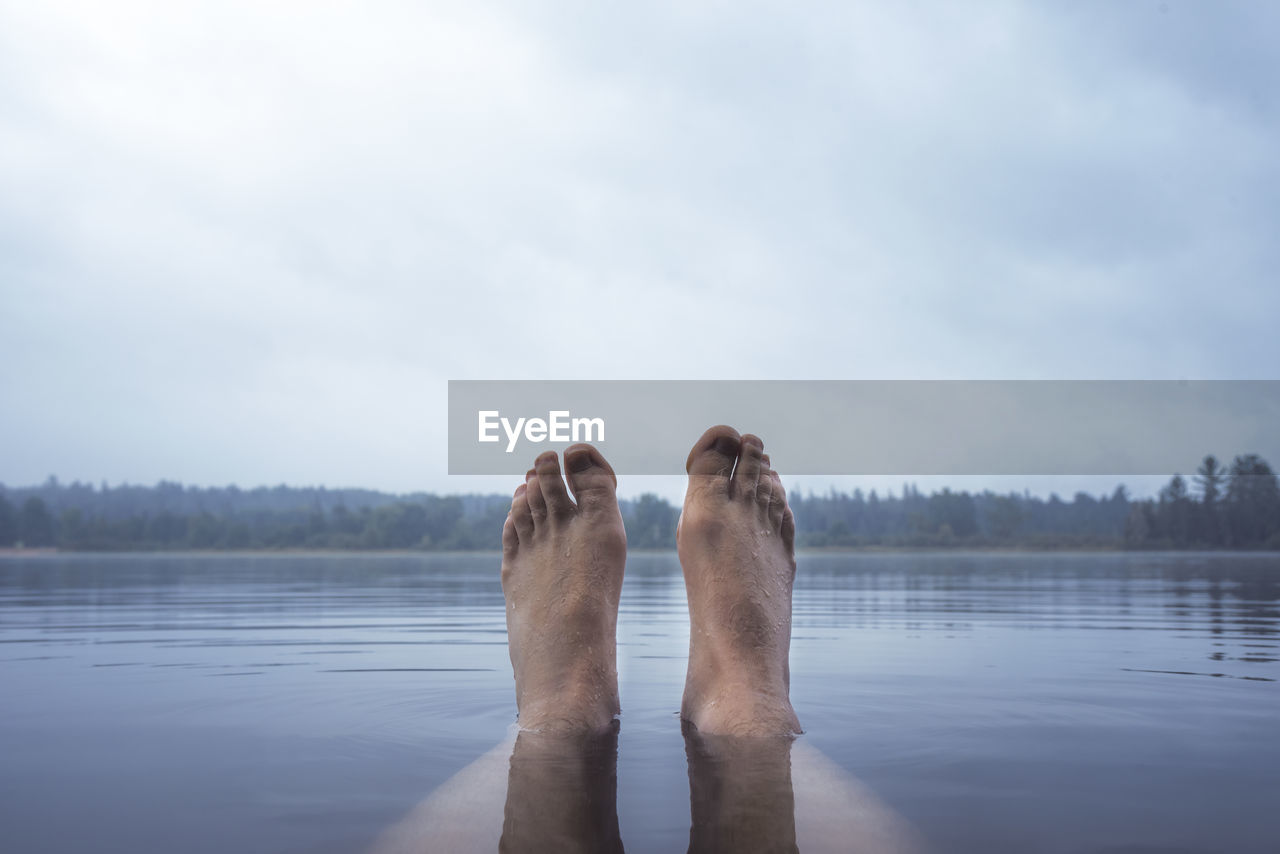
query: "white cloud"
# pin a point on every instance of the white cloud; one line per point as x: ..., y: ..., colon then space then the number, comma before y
x: 251, y: 242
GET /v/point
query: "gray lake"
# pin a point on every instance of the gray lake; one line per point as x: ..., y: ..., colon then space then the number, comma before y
x: 293, y: 703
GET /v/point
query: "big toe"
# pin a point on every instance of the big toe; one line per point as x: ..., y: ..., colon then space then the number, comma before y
x: 591, y: 478
x: 712, y: 458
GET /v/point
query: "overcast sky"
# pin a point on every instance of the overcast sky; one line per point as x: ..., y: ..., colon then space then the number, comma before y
x: 250, y: 242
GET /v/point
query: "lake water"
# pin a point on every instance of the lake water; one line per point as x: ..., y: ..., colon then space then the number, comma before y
x: 279, y: 703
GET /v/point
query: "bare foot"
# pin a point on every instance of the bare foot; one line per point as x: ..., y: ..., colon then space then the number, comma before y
x: 736, y: 541
x: 562, y: 565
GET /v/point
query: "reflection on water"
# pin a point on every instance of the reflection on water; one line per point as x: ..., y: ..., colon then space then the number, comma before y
x: 561, y: 795
x: 289, y: 703
x: 740, y: 794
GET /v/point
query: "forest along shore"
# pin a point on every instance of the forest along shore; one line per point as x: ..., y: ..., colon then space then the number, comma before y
x: 1220, y: 507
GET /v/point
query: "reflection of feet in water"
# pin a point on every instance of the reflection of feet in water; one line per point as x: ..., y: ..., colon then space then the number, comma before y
x: 562, y: 564
x: 740, y: 794
x: 736, y: 542
x: 562, y: 794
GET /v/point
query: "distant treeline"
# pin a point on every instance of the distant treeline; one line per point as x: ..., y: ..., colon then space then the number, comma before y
x: 1236, y: 507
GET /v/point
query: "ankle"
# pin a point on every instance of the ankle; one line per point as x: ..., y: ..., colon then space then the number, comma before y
x: 727, y: 706
x: 581, y: 709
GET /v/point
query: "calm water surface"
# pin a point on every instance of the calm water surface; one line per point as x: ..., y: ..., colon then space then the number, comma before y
x: 1028, y: 703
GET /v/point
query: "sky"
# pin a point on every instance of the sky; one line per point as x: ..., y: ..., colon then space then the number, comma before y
x: 250, y: 243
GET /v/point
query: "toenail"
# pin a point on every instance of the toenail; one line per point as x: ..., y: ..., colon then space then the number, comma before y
x: 578, y: 462
x: 727, y: 446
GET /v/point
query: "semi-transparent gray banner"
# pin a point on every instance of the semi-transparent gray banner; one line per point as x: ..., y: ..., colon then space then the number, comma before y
x: 1139, y: 427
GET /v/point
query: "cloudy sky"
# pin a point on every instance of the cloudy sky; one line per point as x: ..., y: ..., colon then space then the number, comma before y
x: 251, y: 242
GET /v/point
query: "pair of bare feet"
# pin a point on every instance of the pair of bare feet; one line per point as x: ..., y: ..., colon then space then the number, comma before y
x: 564, y: 550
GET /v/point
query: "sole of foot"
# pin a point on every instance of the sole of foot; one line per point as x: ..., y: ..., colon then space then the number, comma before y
x: 563, y: 556
x: 736, y: 542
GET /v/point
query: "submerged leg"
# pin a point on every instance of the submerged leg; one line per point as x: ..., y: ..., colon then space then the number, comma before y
x: 561, y: 794
x: 740, y: 794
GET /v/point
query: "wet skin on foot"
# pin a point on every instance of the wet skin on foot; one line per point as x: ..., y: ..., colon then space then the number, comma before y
x: 563, y: 555
x: 736, y: 541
